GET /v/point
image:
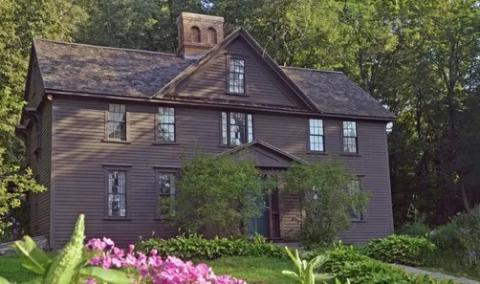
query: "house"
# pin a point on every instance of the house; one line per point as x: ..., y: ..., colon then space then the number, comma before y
x: 106, y: 130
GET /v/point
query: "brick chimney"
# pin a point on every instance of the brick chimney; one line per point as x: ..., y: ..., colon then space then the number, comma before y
x: 198, y: 33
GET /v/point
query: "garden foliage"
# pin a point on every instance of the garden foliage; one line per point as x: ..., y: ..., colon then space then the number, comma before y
x: 195, y: 246
x: 327, y: 203
x: 348, y: 263
x: 100, y: 261
x: 401, y: 249
x: 305, y: 273
x: 218, y: 194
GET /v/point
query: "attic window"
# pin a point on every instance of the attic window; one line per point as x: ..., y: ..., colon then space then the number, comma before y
x: 212, y: 36
x: 195, y: 34
x: 236, y: 76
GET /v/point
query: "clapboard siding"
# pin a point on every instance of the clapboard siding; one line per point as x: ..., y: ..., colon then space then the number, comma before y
x: 39, y: 158
x: 263, y: 87
x: 79, y: 158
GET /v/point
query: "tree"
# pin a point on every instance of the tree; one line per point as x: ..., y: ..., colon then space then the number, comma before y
x: 20, y: 22
x: 326, y: 201
x: 217, y: 195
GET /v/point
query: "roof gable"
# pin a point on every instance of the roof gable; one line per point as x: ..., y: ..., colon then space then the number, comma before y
x: 206, y: 79
x: 263, y: 155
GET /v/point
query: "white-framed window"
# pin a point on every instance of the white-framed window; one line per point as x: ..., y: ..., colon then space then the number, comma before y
x: 316, y: 135
x: 237, y: 128
x: 236, y: 76
x: 165, y: 125
x: 166, y: 192
x: 116, y: 122
x: 353, y: 189
x: 350, y: 138
x: 117, y: 193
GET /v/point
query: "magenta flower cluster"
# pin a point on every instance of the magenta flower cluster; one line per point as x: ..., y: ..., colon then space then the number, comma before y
x: 152, y: 268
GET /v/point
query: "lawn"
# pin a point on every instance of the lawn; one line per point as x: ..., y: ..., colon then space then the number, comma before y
x: 256, y: 270
x: 11, y: 269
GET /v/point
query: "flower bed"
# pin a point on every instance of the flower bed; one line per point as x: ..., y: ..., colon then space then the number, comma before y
x: 152, y: 268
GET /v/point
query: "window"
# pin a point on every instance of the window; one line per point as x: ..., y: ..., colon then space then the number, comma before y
x: 236, y: 76
x: 212, y: 36
x: 353, y: 188
x: 237, y: 128
x: 165, y: 125
x: 316, y: 135
x: 166, y: 195
x: 350, y: 137
x: 195, y: 34
x: 116, y: 122
x: 117, y: 193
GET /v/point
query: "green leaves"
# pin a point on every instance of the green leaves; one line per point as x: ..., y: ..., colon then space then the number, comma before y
x: 306, y: 269
x: 34, y: 259
x: 105, y: 276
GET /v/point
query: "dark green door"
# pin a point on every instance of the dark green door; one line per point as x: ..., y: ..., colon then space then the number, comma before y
x: 260, y: 225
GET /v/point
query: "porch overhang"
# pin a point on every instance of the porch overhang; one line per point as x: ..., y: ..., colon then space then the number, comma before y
x: 264, y: 155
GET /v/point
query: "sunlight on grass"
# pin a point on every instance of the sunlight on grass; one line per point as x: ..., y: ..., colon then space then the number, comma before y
x: 255, y: 270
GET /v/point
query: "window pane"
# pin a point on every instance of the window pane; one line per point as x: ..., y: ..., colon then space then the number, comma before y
x: 353, y: 188
x: 224, y: 128
x: 116, y: 122
x: 166, y: 124
x: 236, y: 76
x: 166, y: 195
x: 250, y: 128
x: 316, y: 135
x: 237, y: 128
x: 117, y: 193
x: 350, y: 136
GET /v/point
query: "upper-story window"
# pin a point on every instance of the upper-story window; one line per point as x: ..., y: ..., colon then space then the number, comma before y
x: 165, y: 125
x: 350, y: 139
x: 236, y: 76
x: 165, y: 194
x: 116, y: 122
x: 317, y: 142
x: 117, y: 193
x: 195, y: 34
x: 237, y: 128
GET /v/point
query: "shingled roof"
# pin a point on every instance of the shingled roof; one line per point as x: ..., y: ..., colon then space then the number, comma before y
x: 333, y: 93
x: 82, y: 68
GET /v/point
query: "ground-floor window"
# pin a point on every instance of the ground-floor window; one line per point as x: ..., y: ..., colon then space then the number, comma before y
x: 353, y: 188
x: 117, y: 193
x: 166, y: 192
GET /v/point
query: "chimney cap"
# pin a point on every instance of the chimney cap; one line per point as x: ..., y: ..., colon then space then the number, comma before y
x: 202, y: 17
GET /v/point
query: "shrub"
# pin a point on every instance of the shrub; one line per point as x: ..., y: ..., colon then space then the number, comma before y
x: 400, y: 249
x: 218, y: 194
x: 348, y: 263
x: 326, y: 202
x: 460, y: 237
x: 416, y: 228
x: 195, y: 246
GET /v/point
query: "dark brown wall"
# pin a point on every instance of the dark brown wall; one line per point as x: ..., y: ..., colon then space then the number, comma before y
x: 79, y: 157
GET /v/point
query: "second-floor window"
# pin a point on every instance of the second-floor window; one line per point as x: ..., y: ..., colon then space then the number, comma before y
x: 116, y: 122
x: 165, y: 125
x: 237, y: 128
x: 350, y: 139
x: 316, y: 135
x: 236, y: 76
x: 117, y: 193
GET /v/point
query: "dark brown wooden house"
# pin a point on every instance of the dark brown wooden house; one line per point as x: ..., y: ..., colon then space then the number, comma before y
x: 106, y: 130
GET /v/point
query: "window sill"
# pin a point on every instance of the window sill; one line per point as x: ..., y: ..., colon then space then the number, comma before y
x: 350, y: 154
x: 164, y: 143
x: 321, y: 153
x: 236, y: 94
x: 116, y: 219
x: 115, y: 141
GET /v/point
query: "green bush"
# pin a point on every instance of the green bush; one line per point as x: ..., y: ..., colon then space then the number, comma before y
x: 195, y: 246
x: 416, y: 228
x: 346, y: 262
x: 400, y: 249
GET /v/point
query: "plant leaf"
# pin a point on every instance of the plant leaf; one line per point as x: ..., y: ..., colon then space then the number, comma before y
x: 34, y: 259
x: 109, y: 276
x: 3, y: 280
x: 291, y: 275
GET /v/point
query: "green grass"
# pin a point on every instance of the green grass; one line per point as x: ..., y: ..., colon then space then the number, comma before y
x: 255, y: 270
x: 12, y: 269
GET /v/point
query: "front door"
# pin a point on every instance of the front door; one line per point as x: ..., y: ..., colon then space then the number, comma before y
x: 268, y: 224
